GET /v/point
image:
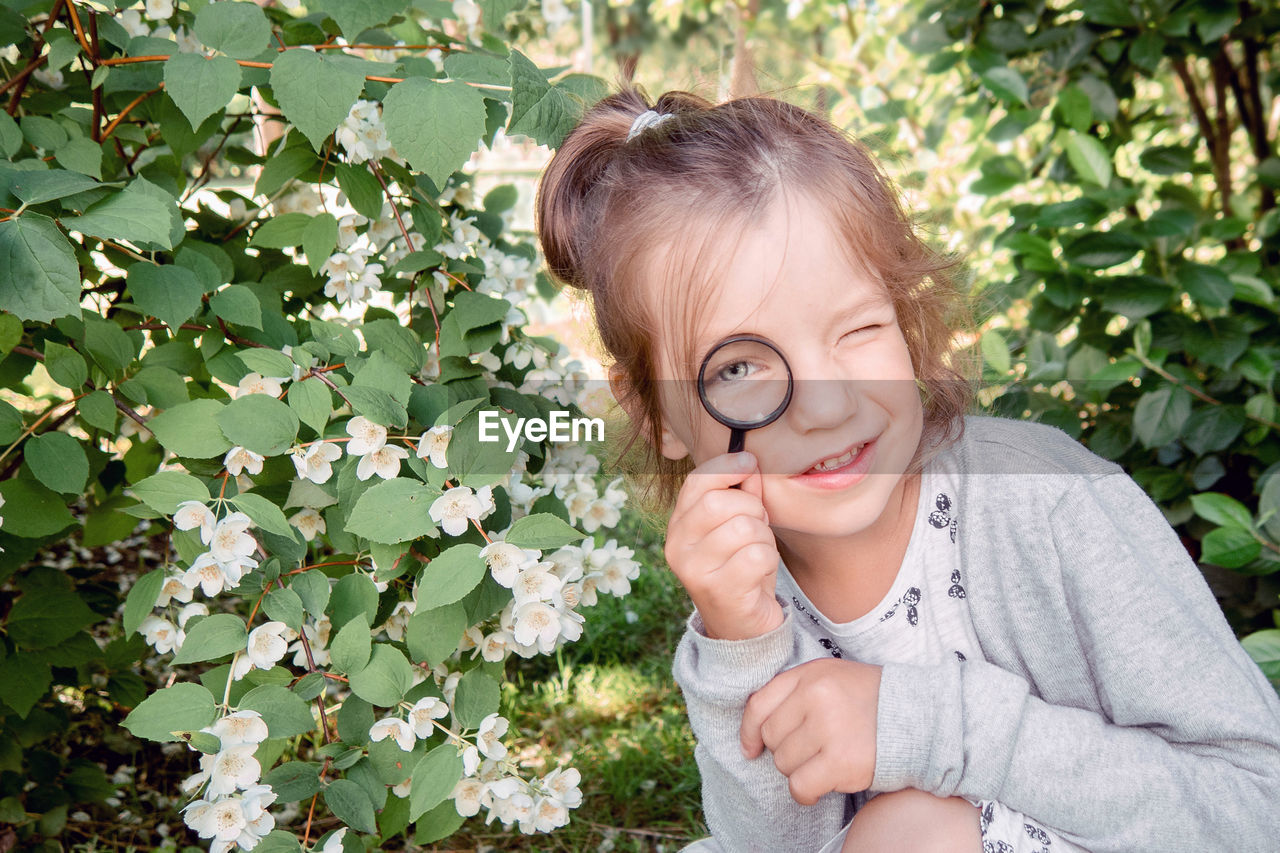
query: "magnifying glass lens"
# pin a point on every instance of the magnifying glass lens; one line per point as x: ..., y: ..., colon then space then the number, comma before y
x: 745, y: 382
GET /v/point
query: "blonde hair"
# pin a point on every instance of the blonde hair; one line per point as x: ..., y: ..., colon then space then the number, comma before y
x: 605, y: 202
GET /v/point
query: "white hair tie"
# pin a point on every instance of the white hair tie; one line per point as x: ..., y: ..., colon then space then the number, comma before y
x: 644, y: 121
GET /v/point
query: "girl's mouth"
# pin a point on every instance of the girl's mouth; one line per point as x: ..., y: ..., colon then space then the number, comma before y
x: 842, y: 470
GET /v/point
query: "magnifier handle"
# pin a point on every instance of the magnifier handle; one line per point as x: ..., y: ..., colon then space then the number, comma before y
x: 737, y: 438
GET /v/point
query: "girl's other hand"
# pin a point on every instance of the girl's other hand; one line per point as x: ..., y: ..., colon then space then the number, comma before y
x: 721, y: 548
x: 819, y: 721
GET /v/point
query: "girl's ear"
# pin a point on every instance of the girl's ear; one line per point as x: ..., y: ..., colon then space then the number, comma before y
x: 667, y: 443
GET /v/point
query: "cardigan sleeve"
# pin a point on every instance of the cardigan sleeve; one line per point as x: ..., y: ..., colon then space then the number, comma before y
x: 747, y: 803
x: 1179, y: 752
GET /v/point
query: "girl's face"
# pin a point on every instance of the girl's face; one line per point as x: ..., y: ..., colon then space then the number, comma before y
x: 834, y: 460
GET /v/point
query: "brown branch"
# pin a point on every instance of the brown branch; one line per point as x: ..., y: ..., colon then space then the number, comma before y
x: 115, y: 122
x: 1207, y: 129
x: 25, y: 75
x: 79, y: 31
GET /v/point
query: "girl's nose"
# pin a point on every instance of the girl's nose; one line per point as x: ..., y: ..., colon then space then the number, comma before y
x: 822, y: 400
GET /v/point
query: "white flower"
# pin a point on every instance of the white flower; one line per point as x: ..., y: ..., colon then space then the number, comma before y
x: 193, y: 514
x: 212, y: 574
x: 385, y: 462
x: 230, y: 541
x: 396, y: 728
x: 172, y: 588
x: 366, y: 436
x: 223, y: 820
x: 537, y: 622
x: 505, y: 561
x: 467, y: 796
x: 423, y: 712
x: 548, y: 814
x: 454, y: 508
x: 433, y: 444
x: 159, y: 10
x: 536, y: 584
x: 131, y: 20
x: 193, y: 609
x: 347, y: 229
x: 256, y: 383
x: 333, y: 844
x: 398, y: 621
x: 240, y: 459
x: 494, y: 647
x: 309, y: 522
x: 240, y: 728
x: 234, y: 768
x: 162, y: 634
x: 563, y: 783
x: 315, y: 463
x: 488, y: 738
x: 266, y: 646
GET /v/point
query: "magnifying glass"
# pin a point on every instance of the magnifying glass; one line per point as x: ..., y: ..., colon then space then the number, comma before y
x: 744, y: 383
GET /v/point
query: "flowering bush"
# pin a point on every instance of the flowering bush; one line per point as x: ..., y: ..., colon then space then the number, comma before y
x: 287, y: 378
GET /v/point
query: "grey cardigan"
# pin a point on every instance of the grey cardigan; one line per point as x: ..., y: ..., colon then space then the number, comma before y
x: 1115, y: 704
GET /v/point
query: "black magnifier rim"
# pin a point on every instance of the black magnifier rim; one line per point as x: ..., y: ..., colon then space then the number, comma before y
x: 730, y: 422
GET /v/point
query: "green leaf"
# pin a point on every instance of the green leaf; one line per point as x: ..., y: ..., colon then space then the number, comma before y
x: 184, y: 707
x: 81, y: 154
x: 142, y: 600
x: 201, y: 86
x: 1222, y: 509
x: 36, y: 187
x: 263, y: 512
x: 1159, y: 416
x: 319, y: 239
x: 10, y: 136
x: 434, y: 779
x: 361, y: 188
x: 376, y: 405
x: 355, y: 16
x: 1206, y: 285
x: 313, y: 588
x: 45, y: 616
x: 312, y: 403
x: 98, y: 409
x: 58, y: 460
x: 1073, y: 107
x: 191, y: 429
x: 141, y: 212
x: 350, y: 649
x: 41, y: 281
x: 170, y: 293
x: 64, y: 365
x: 285, y: 712
x: 353, y: 594
x: 293, y: 781
x: 32, y: 511
x: 164, y: 490
x: 23, y: 680
x: 451, y: 575
x: 108, y: 344
x: 995, y: 350
x: 1231, y: 547
x: 281, y: 231
x: 434, y: 126
x: 240, y: 30
x: 237, y: 304
x: 1213, y: 428
x: 385, y: 679
x: 539, y: 110
x: 212, y: 637
x: 1101, y: 249
x: 350, y: 804
x: 259, y: 422
x: 1007, y: 84
x: 314, y: 92
x: 433, y: 635
x: 477, y: 697
x: 542, y: 531
x: 284, y: 605
x: 1089, y: 158
x: 393, y: 511
x: 1167, y: 159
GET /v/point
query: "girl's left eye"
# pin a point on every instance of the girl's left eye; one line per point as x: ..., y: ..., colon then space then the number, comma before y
x: 869, y: 328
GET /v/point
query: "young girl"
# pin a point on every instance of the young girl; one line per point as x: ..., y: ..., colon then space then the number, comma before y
x: 915, y: 629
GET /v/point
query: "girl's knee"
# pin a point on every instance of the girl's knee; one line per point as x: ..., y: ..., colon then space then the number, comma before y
x: 914, y: 821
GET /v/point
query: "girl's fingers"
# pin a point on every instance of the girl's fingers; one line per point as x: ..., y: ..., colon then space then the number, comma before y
x: 719, y: 472
x: 785, y: 735
x: 759, y: 708
x: 812, y: 779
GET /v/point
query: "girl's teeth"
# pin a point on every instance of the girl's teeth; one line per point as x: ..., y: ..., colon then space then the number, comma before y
x: 837, y: 462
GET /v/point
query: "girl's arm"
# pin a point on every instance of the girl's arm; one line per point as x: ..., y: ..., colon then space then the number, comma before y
x: 747, y: 803
x: 1179, y: 749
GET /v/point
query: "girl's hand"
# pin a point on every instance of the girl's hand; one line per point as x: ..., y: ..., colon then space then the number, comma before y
x: 819, y: 721
x: 721, y: 548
